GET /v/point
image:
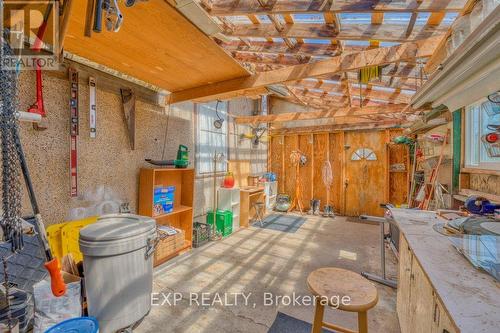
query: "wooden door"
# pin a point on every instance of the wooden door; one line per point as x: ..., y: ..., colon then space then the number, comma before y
x: 403, y: 293
x: 366, y: 172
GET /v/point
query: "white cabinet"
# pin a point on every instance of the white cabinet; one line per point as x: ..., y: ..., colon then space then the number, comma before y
x: 229, y: 199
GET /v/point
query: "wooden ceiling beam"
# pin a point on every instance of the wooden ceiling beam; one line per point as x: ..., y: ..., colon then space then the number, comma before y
x: 341, y: 63
x: 398, y: 83
x: 275, y: 59
x: 436, y: 18
x: 366, y: 93
x: 333, y: 113
x: 364, y: 126
x: 300, y: 48
x: 357, y: 126
x: 411, y: 24
x: 376, y: 19
x: 413, y: 19
x: 244, y: 7
x: 384, y: 32
x: 322, y: 104
x: 402, y: 70
x: 342, y: 85
x: 253, y: 19
x: 259, y: 68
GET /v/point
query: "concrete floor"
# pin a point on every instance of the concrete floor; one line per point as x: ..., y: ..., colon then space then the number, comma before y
x: 257, y: 261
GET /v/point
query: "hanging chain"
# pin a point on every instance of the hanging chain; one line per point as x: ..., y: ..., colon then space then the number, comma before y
x: 11, y: 185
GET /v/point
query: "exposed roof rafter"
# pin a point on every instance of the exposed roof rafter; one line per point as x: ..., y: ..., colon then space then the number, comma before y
x: 244, y: 7
x: 338, y: 64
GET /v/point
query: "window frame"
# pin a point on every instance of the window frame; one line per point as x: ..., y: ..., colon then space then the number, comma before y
x: 222, y: 166
x: 474, y: 151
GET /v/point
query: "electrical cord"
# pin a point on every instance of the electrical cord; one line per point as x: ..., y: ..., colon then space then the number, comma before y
x: 217, y: 111
x: 166, y: 131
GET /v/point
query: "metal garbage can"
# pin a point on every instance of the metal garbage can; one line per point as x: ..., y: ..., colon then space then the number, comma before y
x: 118, y: 268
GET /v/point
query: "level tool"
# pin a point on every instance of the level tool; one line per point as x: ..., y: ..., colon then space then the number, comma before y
x: 92, y: 107
x: 73, y: 159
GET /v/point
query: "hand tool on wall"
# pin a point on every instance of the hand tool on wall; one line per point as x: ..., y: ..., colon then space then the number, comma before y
x: 130, y: 3
x: 92, y: 107
x: 73, y: 160
x: 13, y: 159
x: 38, y: 106
x: 98, y: 16
x: 113, y: 15
x: 128, y: 104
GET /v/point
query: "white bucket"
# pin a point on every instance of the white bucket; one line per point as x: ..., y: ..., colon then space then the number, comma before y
x: 118, y: 267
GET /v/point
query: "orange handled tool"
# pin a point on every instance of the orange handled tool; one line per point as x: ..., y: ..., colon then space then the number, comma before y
x: 56, y: 280
x: 52, y: 265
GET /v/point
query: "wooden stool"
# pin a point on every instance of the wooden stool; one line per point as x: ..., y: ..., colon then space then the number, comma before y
x: 336, y: 283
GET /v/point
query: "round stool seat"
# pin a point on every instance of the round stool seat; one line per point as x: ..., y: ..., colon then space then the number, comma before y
x: 334, y: 283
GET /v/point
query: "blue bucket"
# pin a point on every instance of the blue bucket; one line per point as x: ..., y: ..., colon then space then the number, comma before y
x: 76, y: 325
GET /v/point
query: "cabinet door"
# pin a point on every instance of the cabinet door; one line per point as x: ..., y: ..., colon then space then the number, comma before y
x: 442, y: 322
x: 403, y: 292
x: 421, y: 300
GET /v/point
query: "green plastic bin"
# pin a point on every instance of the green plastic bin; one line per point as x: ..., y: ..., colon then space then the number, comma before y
x: 223, y: 222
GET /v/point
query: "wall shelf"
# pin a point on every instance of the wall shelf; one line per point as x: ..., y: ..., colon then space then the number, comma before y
x: 177, y: 210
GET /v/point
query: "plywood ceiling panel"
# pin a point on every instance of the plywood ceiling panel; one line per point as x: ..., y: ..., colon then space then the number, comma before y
x: 155, y: 44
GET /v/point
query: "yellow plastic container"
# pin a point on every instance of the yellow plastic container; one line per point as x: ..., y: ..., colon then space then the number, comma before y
x: 54, y: 238
x: 64, y: 237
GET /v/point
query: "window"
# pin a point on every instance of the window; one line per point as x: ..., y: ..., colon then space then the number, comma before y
x: 209, y: 138
x: 481, y: 119
x: 363, y: 153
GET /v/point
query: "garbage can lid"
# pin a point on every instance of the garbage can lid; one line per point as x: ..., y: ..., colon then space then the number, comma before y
x: 76, y: 325
x: 117, y: 226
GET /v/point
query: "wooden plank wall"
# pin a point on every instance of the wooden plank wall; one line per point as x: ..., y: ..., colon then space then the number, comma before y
x: 369, y: 183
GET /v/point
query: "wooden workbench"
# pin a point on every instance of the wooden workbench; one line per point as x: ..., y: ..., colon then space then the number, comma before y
x: 248, y: 196
x: 438, y: 289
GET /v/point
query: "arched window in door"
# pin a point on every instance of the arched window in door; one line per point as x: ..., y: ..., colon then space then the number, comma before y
x: 363, y: 153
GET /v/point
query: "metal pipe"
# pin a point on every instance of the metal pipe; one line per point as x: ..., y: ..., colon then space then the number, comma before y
x: 380, y: 279
x: 28, y: 117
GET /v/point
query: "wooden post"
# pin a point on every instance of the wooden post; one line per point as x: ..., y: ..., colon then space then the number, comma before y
x: 343, y: 188
x: 312, y: 166
x: 328, y: 159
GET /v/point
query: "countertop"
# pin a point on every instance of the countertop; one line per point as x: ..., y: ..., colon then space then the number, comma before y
x: 471, y: 297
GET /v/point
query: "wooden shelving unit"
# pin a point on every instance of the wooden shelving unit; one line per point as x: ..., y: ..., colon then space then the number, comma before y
x: 182, y: 215
x: 398, y: 180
